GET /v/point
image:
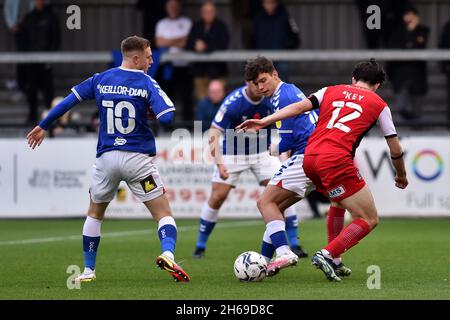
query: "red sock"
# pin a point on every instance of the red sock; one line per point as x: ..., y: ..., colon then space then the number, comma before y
x: 335, y: 222
x: 350, y: 236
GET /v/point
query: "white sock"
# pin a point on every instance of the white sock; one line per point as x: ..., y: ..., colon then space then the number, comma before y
x: 166, y: 220
x: 92, y: 227
x: 283, y: 250
x: 326, y: 254
x: 88, y: 270
x: 290, y: 212
x: 337, y: 261
x: 209, y: 214
x: 266, y: 238
x: 163, y: 222
x: 169, y: 254
x: 274, y: 227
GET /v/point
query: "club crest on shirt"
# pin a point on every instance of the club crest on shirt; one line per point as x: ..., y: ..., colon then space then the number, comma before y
x: 119, y: 141
x: 336, y: 192
x: 148, y: 184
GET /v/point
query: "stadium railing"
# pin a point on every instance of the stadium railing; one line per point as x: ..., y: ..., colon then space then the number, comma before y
x: 235, y: 56
x: 341, y: 55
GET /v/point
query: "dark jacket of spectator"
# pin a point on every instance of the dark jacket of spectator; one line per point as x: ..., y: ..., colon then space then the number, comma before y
x: 413, y: 73
x: 391, y: 18
x: 41, y: 30
x: 275, y: 31
x: 206, y: 111
x: 444, y: 43
x: 152, y: 12
x: 216, y: 38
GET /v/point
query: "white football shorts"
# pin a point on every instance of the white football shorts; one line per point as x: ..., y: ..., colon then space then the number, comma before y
x: 136, y: 169
x: 290, y: 176
x: 262, y: 165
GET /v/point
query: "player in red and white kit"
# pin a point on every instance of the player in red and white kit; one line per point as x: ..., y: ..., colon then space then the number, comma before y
x: 347, y: 113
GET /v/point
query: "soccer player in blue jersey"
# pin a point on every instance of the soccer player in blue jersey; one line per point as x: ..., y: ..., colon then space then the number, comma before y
x: 289, y: 184
x: 125, y: 96
x: 251, y: 153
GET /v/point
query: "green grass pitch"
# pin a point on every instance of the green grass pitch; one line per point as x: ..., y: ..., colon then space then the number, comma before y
x: 413, y: 256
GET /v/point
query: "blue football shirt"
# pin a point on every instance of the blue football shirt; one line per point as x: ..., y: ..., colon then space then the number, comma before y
x: 294, y: 132
x: 124, y: 98
x: 236, y: 108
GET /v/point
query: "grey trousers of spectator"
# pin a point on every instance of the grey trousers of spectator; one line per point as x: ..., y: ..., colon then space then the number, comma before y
x: 409, y: 105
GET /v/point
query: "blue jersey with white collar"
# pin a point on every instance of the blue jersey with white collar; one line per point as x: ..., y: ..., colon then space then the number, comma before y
x: 236, y: 108
x: 124, y: 98
x: 294, y: 132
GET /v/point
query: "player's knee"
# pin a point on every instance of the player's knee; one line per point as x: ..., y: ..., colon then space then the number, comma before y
x: 97, y: 210
x: 100, y: 195
x: 373, y: 222
x: 261, y: 203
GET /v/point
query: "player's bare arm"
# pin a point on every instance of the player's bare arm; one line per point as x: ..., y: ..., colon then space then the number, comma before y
x: 35, y: 137
x: 398, y: 162
x: 214, y: 147
x: 290, y: 111
x: 37, y: 134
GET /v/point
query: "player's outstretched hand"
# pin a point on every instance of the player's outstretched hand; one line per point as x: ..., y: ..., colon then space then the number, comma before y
x: 35, y: 137
x: 251, y: 125
x: 401, y: 182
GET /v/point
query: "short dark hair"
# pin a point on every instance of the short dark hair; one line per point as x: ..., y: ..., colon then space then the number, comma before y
x: 370, y: 72
x: 253, y: 68
x: 412, y: 9
x: 134, y: 43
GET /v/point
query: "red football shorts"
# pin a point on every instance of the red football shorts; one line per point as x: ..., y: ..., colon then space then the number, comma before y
x: 334, y: 175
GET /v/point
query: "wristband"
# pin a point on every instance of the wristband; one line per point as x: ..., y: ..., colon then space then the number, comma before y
x: 398, y: 157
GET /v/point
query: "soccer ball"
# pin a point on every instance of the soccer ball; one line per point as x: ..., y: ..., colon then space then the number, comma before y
x: 250, y: 266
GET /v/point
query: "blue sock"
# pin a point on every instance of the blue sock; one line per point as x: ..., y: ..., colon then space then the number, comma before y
x: 278, y: 239
x: 292, y: 231
x: 204, y: 230
x: 90, y: 245
x: 267, y: 250
x: 168, y: 237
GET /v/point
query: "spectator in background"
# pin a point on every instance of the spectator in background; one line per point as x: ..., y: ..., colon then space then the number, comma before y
x: 391, y: 19
x: 207, y: 35
x: 14, y: 12
x: 244, y: 13
x: 175, y: 78
x: 208, y: 106
x: 444, y: 43
x: 41, y: 32
x: 409, y: 78
x: 94, y: 123
x: 152, y: 12
x: 64, y: 125
x: 275, y: 30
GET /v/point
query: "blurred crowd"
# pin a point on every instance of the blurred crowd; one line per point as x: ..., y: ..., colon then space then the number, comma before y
x: 199, y: 88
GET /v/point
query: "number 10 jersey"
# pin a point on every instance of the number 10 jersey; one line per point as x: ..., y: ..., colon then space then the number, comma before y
x: 125, y: 99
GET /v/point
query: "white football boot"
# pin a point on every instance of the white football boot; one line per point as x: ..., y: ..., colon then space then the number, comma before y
x: 281, y: 262
x: 88, y: 275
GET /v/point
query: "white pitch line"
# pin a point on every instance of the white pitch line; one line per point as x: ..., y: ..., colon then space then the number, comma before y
x: 118, y: 234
